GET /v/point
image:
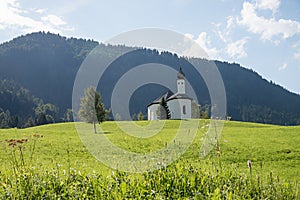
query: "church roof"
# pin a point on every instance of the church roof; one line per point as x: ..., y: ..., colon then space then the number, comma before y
x: 169, y: 95
x: 166, y: 95
x: 178, y: 96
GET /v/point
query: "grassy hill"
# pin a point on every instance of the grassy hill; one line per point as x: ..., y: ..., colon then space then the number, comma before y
x: 51, y: 161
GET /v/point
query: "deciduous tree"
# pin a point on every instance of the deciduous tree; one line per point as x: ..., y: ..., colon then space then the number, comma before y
x: 92, y: 110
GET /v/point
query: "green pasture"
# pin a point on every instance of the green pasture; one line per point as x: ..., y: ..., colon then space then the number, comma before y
x: 274, y: 152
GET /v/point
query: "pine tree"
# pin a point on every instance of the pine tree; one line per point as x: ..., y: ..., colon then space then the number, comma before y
x: 163, y: 111
x: 164, y: 104
x: 68, y: 116
x: 29, y: 123
x: 41, y: 119
x: 140, y: 116
x: 92, y: 110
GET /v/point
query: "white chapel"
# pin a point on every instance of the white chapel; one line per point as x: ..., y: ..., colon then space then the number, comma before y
x: 179, y: 104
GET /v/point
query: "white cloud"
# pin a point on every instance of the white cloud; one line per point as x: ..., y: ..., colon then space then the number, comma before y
x: 267, y: 28
x: 272, y: 5
x: 283, y: 67
x: 53, y: 19
x: 12, y: 17
x: 236, y: 49
x: 224, y: 34
x: 204, y: 42
x: 188, y: 35
x: 230, y: 22
x: 40, y: 11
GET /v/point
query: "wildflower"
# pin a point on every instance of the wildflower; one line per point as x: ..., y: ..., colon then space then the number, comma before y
x: 19, y: 141
x: 14, y: 142
x: 250, y: 167
x: 249, y: 164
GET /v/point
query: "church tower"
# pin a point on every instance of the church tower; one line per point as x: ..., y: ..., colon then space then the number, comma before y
x: 180, y: 82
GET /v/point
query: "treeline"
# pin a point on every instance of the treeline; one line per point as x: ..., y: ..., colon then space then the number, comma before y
x: 18, y: 108
x: 46, y: 64
x: 252, y: 98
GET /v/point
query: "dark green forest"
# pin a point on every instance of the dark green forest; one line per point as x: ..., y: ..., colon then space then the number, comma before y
x: 38, y: 72
x: 21, y: 109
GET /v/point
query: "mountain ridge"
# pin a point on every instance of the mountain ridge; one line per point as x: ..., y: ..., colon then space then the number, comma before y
x: 46, y: 64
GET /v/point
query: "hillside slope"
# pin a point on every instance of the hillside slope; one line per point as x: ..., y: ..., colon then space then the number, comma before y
x: 46, y: 64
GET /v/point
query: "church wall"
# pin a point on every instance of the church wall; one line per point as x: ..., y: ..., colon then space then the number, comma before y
x: 176, y: 108
x: 152, y: 112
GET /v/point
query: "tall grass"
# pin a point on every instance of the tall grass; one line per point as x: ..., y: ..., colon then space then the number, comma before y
x: 206, y: 179
x: 174, y: 182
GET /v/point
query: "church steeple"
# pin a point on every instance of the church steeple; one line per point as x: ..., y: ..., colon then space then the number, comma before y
x: 180, y: 74
x: 180, y: 82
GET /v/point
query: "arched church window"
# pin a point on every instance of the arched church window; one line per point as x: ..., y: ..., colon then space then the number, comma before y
x: 184, y: 110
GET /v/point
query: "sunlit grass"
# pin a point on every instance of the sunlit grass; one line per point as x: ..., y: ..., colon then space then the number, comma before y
x: 274, y: 152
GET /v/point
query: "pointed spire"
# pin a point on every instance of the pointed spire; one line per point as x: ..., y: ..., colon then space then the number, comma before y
x: 180, y: 74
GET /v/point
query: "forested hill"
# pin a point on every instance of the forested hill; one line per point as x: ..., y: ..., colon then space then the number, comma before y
x: 46, y: 64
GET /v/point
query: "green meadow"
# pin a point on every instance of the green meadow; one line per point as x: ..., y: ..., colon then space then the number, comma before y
x: 51, y: 161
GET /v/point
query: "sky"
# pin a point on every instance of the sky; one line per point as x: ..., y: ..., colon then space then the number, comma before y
x: 263, y: 35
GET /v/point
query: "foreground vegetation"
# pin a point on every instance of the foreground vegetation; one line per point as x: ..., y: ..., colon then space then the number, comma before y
x: 50, y: 161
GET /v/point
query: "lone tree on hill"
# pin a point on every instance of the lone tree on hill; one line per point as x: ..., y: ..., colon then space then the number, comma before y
x: 92, y: 110
x: 163, y: 111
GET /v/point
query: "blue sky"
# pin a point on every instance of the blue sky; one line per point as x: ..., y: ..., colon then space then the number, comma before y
x: 263, y: 35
